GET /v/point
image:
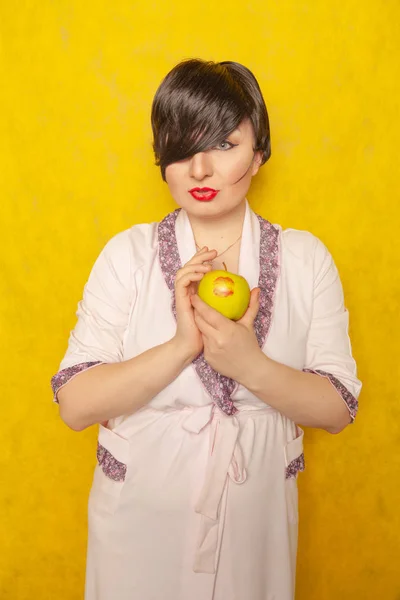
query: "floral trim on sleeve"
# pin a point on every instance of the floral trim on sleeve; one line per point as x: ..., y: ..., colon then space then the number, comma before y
x: 112, y: 468
x: 347, y: 397
x: 298, y: 464
x: 62, y: 377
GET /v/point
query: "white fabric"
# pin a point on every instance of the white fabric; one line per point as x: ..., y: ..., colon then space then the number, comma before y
x: 205, y: 511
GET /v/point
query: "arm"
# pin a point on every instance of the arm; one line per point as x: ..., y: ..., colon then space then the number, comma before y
x: 323, y: 395
x: 94, y: 383
x: 94, y: 358
x: 305, y: 398
x: 110, y: 390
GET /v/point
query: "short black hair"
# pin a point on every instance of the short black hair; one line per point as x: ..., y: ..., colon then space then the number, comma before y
x: 199, y: 103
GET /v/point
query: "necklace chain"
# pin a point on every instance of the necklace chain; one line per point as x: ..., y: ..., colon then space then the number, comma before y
x: 226, y: 249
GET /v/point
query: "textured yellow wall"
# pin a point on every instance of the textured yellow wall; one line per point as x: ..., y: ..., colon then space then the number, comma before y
x: 76, y: 167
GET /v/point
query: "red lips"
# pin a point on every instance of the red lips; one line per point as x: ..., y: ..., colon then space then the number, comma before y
x: 203, y: 194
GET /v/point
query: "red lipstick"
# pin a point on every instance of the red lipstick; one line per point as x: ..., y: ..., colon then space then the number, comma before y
x: 203, y: 194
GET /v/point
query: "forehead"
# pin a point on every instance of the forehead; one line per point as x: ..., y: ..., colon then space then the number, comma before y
x: 244, y: 129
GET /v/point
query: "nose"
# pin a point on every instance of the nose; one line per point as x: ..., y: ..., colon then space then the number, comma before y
x: 200, y: 166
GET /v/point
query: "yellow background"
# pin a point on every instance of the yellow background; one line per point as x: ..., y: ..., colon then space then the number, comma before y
x: 76, y: 167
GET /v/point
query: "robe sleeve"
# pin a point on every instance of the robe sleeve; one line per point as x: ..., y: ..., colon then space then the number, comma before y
x: 329, y: 352
x: 103, y: 314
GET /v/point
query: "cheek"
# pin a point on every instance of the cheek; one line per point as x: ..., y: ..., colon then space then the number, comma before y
x: 238, y: 169
x: 172, y: 176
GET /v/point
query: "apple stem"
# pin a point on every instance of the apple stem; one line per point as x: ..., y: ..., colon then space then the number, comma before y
x: 225, y: 266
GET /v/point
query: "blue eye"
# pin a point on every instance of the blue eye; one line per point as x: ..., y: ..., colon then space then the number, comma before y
x: 225, y: 145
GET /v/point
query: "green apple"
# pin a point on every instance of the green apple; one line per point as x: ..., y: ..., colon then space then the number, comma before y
x: 228, y: 293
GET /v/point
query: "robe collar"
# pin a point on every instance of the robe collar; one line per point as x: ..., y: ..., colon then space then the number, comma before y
x: 258, y: 264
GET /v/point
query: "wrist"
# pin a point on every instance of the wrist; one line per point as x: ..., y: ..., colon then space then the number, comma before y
x: 255, y: 369
x: 183, y: 353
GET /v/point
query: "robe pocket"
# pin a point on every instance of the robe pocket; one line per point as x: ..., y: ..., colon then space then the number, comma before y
x: 110, y: 474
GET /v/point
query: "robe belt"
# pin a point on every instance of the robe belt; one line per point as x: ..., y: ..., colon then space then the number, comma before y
x: 225, y: 459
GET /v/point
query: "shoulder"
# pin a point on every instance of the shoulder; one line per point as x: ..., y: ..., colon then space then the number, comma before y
x: 305, y: 251
x: 126, y: 251
x: 297, y: 242
x: 136, y: 242
x: 303, y: 245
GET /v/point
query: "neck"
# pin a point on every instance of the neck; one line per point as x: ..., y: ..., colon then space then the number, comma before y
x: 216, y: 232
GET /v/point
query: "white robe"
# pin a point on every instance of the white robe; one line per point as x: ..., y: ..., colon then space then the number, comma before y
x: 188, y: 503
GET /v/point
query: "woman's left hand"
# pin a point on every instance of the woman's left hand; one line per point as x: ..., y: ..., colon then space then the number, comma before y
x: 230, y: 347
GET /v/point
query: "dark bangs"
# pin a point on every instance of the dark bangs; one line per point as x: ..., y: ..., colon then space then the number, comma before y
x: 199, y: 104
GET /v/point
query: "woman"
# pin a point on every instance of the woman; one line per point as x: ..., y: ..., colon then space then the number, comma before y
x: 195, y: 493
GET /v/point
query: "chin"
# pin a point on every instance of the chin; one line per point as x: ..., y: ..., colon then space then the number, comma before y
x: 213, y: 208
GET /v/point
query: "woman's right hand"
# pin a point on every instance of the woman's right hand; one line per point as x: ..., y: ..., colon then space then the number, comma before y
x: 188, y: 336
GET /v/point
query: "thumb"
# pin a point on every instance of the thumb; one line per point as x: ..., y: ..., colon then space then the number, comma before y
x: 248, y: 318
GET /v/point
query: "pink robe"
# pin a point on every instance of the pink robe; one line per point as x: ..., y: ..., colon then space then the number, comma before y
x: 189, y: 502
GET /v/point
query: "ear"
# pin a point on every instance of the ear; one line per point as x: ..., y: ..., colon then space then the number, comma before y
x: 256, y: 162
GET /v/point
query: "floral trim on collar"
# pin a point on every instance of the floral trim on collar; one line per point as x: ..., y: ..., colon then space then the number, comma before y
x: 219, y: 387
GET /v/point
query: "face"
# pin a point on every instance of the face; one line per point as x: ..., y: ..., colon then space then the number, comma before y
x: 215, y: 182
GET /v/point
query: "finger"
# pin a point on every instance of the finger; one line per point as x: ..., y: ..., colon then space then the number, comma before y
x: 203, y: 326
x: 187, y: 285
x: 194, y: 268
x: 201, y: 257
x: 209, y: 314
x: 197, y: 269
x: 185, y: 281
x: 249, y: 316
